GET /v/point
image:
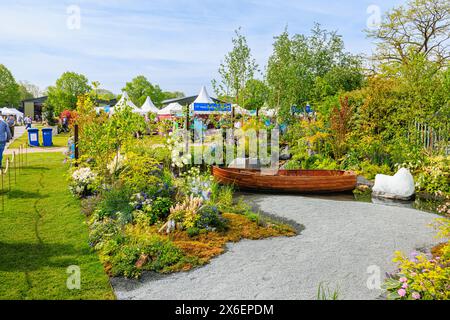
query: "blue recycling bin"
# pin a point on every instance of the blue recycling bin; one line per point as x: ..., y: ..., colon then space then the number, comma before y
x: 47, y: 137
x: 33, y: 137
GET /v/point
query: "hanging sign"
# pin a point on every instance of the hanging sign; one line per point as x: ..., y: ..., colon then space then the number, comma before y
x: 211, y: 107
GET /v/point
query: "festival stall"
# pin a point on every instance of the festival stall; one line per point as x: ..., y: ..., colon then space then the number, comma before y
x: 148, y: 107
x: 171, y: 111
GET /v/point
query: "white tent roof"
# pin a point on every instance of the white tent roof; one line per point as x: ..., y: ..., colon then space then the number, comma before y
x: 203, y: 97
x: 148, y: 106
x: 126, y: 101
x: 172, y: 108
x: 11, y: 111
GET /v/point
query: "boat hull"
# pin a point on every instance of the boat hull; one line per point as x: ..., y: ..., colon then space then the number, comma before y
x: 291, y: 181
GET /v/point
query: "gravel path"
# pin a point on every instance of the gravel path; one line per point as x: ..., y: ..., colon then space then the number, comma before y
x: 340, y: 241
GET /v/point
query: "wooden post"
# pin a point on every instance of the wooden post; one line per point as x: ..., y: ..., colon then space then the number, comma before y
x: 15, y: 168
x: 9, y: 175
x: 76, y: 144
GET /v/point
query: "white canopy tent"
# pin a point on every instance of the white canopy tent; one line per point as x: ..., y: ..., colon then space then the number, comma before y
x: 203, y: 96
x: 171, y: 109
x: 126, y: 101
x: 11, y: 112
x: 148, y: 106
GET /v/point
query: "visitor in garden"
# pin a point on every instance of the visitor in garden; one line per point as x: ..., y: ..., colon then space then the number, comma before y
x: 27, y: 122
x: 65, y: 124
x: 5, y: 136
x: 11, y: 123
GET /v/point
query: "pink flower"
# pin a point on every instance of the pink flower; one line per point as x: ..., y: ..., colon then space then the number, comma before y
x: 401, y: 292
x: 403, y: 279
x: 405, y: 285
x: 413, y: 274
x: 416, y: 295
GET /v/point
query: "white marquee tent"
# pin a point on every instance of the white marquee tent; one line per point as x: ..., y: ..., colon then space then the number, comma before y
x: 126, y: 101
x: 148, y: 106
x: 11, y: 112
x: 203, y: 97
x: 172, y: 108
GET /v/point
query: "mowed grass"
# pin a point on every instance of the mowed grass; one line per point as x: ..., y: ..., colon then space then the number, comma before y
x: 42, y: 233
x: 59, y: 140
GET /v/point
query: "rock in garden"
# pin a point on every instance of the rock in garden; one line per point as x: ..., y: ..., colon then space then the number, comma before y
x: 400, y: 186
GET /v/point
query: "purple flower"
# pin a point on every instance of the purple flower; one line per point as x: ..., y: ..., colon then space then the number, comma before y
x: 401, y: 292
x: 416, y: 295
x: 413, y: 255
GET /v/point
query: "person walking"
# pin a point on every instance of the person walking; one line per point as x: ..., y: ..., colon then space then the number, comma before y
x: 27, y: 122
x: 65, y: 124
x: 11, y: 123
x: 5, y: 136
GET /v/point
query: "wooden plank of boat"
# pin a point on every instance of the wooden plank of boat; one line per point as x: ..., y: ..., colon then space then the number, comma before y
x: 303, y: 181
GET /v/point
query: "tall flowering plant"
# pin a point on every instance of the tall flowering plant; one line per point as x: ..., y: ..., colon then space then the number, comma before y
x: 175, y: 143
x: 196, y: 184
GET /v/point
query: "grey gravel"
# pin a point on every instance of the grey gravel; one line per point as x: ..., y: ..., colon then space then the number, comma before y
x: 340, y: 241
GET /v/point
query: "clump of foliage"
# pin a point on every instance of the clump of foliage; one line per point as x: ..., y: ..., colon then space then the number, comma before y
x: 423, y: 277
x: 82, y: 182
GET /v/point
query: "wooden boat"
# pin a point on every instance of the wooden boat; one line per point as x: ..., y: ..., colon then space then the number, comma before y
x: 295, y: 181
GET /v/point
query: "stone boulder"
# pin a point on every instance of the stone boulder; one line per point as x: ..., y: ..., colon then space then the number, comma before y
x: 400, y: 186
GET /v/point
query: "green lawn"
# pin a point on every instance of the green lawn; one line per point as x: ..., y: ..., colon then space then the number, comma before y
x: 42, y: 232
x: 59, y: 140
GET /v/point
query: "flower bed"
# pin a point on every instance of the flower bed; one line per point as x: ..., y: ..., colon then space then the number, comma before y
x: 423, y: 276
x: 147, y: 213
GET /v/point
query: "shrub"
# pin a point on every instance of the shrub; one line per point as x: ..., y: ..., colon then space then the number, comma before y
x: 115, y: 200
x: 196, y: 184
x: 154, y: 253
x: 103, y: 230
x: 186, y: 212
x: 192, y: 232
x: 82, y: 182
x: 422, y: 277
x: 434, y: 176
x: 211, y: 219
x: 160, y: 208
x: 139, y: 172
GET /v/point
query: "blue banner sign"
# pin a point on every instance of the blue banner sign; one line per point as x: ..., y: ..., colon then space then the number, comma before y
x: 210, y: 107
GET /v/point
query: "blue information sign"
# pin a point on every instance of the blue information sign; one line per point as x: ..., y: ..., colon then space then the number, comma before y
x: 210, y: 107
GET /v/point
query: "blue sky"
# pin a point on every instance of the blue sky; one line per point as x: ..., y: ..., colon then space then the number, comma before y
x: 177, y: 44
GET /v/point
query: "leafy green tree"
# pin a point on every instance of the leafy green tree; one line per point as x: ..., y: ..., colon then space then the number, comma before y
x: 173, y: 95
x: 281, y: 75
x: 105, y: 94
x: 139, y: 88
x: 237, y: 68
x: 254, y: 95
x: 311, y: 68
x: 28, y: 90
x: 9, y: 89
x: 64, y: 95
x: 422, y: 26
